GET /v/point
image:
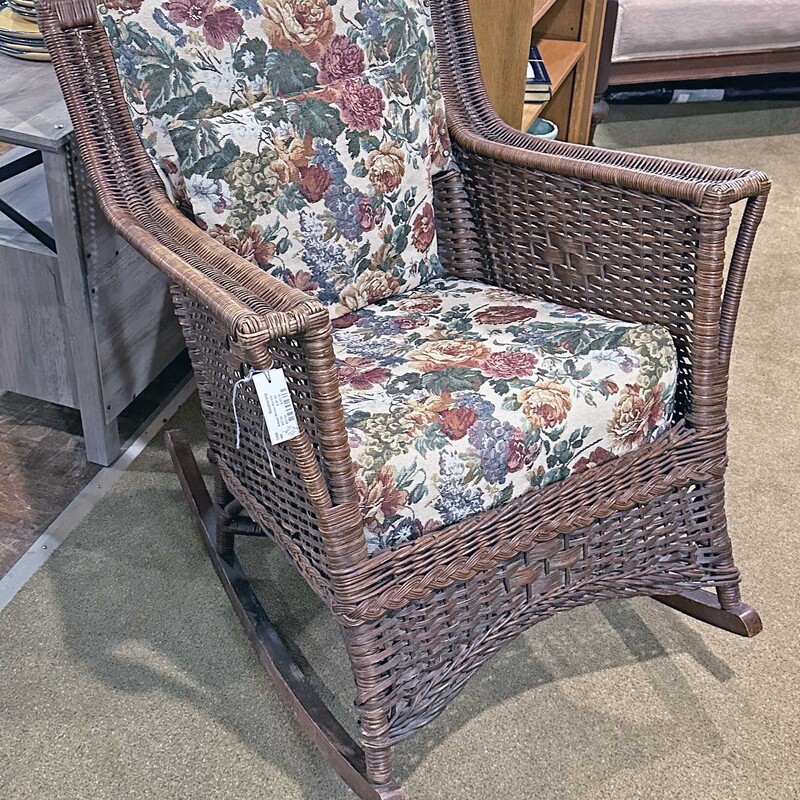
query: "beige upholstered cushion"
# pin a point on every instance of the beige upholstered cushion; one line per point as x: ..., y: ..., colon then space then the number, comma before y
x: 304, y: 134
x: 654, y: 29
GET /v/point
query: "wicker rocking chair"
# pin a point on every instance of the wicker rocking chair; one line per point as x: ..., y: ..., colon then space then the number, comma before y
x: 426, y: 578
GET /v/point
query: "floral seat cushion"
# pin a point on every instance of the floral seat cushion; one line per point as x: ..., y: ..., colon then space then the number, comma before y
x: 459, y: 396
x: 303, y: 133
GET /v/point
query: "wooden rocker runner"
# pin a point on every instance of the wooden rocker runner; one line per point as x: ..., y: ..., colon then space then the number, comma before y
x: 465, y: 378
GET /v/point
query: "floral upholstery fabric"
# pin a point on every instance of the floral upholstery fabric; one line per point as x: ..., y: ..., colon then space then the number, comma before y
x: 303, y: 133
x: 459, y: 396
x: 350, y: 231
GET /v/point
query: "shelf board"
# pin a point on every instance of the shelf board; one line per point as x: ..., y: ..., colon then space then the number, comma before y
x: 540, y: 8
x: 560, y: 57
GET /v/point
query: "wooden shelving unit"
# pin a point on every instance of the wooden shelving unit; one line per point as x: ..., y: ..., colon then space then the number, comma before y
x: 568, y: 34
x: 540, y: 8
x: 86, y: 321
x: 560, y: 56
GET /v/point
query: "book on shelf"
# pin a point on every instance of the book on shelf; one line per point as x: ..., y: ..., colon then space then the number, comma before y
x: 538, y: 77
x: 537, y: 82
x: 538, y: 97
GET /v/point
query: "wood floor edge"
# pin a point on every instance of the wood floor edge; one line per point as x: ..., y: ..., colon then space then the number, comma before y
x: 79, y: 508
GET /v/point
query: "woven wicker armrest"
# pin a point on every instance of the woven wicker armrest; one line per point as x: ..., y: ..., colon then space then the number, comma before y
x: 236, y: 318
x: 254, y: 307
x: 285, y: 328
x: 485, y: 134
x: 632, y: 237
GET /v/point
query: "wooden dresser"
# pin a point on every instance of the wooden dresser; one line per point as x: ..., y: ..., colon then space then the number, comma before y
x: 86, y: 322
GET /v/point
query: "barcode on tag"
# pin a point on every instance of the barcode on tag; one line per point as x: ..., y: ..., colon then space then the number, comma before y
x: 276, y: 403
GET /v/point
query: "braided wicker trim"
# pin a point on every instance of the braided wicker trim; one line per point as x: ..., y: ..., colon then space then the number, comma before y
x: 457, y: 553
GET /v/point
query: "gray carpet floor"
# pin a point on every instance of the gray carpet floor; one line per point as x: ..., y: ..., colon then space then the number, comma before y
x: 125, y: 674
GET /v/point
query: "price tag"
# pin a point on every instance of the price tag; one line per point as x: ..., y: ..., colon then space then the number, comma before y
x: 276, y: 403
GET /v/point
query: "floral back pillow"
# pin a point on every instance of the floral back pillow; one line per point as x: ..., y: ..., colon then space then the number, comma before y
x: 303, y: 133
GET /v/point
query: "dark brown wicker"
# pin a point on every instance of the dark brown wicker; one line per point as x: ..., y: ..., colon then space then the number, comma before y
x: 632, y: 237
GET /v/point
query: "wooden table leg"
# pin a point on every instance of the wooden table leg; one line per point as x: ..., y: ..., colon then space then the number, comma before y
x: 101, y: 436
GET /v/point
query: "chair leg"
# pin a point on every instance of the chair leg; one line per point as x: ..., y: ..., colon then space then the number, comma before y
x: 353, y: 765
x: 723, y: 608
x: 380, y: 760
x: 380, y: 773
x: 729, y: 597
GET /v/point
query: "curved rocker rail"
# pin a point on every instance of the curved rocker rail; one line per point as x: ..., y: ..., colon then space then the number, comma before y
x: 741, y: 619
x: 338, y: 747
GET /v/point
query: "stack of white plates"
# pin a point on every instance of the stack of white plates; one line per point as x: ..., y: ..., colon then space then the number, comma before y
x: 20, y: 36
x: 24, y: 8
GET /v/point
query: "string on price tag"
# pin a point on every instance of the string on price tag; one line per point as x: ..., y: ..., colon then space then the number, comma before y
x: 276, y: 403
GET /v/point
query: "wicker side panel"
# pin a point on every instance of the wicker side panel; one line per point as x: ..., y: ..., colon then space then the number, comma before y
x: 265, y: 478
x: 417, y: 659
x: 629, y: 256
